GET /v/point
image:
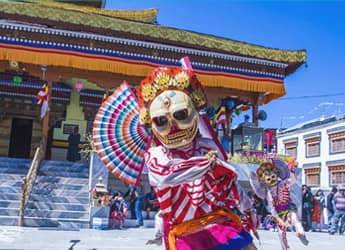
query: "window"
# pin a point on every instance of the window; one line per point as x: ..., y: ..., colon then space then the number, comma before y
x: 337, y: 175
x: 338, y: 178
x: 313, y: 149
x: 312, y: 176
x: 337, y: 142
x: 313, y: 179
x: 338, y: 145
x: 291, y: 149
x: 312, y: 146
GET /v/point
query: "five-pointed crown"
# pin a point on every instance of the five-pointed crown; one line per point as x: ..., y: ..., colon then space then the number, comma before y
x: 162, y: 79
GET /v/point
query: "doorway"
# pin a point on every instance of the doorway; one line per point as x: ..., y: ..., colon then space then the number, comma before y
x: 20, y: 140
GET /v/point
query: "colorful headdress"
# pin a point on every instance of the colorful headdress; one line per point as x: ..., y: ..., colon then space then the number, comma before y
x: 263, y: 167
x: 162, y: 79
x: 277, y: 165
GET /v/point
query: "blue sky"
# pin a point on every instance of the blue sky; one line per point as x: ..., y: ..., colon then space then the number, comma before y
x: 317, y: 26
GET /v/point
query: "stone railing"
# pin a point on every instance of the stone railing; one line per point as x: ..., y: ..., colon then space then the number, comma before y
x: 28, y: 182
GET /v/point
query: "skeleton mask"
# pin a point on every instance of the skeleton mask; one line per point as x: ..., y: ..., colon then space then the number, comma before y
x: 270, y: 177
x: 174, y: 118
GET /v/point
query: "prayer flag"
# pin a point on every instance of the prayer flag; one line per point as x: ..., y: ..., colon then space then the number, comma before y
x: 42, y: 94
x: 186, y: 64
x: 42, y: 99
x: 221, y: 116
x: 44, y: 108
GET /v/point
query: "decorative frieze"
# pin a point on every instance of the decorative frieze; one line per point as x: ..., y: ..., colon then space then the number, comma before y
x: 135, y: 56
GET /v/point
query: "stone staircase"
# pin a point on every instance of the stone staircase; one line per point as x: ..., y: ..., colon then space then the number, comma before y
x: 60, y: 196
x: 12, y: 171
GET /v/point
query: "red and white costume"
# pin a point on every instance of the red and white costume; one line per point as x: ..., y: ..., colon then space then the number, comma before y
x: 185, y: 184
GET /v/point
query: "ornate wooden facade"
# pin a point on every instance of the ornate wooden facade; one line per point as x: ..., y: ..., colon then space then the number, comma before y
x: 105, y: 47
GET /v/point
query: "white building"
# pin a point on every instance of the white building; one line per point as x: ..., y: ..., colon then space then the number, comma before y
x: 319, y: 146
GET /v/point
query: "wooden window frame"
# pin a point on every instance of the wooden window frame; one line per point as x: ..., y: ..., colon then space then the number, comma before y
x: 334, y: 137
x: 291, y: 145
x: 336, y: 169
x: 312, y: 141
x: 313, y: 171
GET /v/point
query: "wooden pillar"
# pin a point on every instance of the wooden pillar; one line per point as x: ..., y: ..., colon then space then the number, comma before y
x: 228, y: 121
x: 45, y: 122
x: 255, y: 109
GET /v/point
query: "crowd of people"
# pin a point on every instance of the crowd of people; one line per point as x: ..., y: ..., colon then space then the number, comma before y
x: 134, y: 201
x: 319, y: 212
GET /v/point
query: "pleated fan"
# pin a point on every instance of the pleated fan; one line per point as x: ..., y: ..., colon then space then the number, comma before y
x: 119, y: 139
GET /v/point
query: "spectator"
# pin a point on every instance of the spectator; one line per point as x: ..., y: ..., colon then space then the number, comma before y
x: 307, y: 207
x: 151, y: 203
x: 73, y: 145
x: 139, y: 205
x: 133, y: 195
x: 136, y: 200
x: 330, y: 207
x: 118, y: 210
x: 339, y: 205
x: 317, y: 216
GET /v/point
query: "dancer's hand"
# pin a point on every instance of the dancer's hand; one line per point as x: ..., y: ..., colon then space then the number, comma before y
x: 212, y: 156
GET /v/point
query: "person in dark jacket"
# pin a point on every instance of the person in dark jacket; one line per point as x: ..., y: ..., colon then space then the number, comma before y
x: 307, y: 207
x: 73, y: 146
x: 330, y: 207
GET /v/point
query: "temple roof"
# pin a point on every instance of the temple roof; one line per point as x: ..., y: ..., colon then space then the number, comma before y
x: 89, y: 3
x: 144, y: 16
x: 140, y: 23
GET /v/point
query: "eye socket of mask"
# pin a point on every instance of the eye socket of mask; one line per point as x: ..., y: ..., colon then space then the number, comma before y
x: 160, y: 121
x: 181, y: 115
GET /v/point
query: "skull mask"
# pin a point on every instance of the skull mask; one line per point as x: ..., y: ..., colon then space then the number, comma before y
x: 270, y: 177
x: 174, y: 118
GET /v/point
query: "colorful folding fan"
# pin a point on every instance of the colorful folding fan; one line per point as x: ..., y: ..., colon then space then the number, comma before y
x: 119, y: 139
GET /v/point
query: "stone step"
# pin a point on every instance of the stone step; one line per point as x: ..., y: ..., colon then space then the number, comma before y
x: 133, y: 223
x: 62, y: 180
x: 84, y: 174
x: 10, y: 190
x: 58, y: 206
x: 55, y: 222
x: 9, y: 204
x: 58, y: 165
x: 11, y: 183
x: 9, y: 220
x: 143, y: 213
x: 58, y: 199
x: 14, y: 166
x: 9, y: 211
x: 11, y: 177
x: 73, y: 225
x: 10, y: 197
x: 11, y: 170
x: 6, y: 162
x: 57, y: 187
x: 56, y: 214
x: 61, y: 192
